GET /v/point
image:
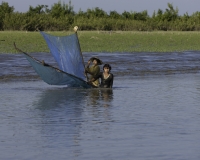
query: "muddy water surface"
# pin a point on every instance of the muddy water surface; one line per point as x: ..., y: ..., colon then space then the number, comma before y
x: 152, y: 112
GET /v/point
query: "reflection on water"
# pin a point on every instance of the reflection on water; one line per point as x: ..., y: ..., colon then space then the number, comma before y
x: 61, y: 115
x: 100, y: 97
x: 64, y: 96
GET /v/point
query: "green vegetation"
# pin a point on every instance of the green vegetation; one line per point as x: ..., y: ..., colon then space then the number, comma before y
x: 61, y: 17
x: 106, y: 41
x: 100, y: 31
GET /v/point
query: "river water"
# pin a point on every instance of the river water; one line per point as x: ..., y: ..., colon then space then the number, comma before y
x: 152, y: 112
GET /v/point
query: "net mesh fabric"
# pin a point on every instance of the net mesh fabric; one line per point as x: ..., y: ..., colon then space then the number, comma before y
x: 54, y: 76
x: 66, y: 52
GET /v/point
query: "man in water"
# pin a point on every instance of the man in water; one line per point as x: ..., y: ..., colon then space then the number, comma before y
x: 93, y: 70
x: 105, y: 76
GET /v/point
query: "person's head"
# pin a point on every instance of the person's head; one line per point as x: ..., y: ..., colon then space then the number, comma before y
x: 96, y: 61
x: 107, y: 68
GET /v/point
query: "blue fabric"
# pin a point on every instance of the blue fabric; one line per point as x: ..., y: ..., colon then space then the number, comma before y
x: 66, y: 52
x: 55, y: 76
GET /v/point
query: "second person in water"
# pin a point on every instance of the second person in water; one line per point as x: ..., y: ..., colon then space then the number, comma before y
x: 106, y: 77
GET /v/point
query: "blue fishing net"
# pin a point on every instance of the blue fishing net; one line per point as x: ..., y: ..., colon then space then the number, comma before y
x: 54, y: 76
x: 66, y: 51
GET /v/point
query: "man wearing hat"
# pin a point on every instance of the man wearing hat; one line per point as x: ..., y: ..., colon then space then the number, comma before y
x: 93, y: 70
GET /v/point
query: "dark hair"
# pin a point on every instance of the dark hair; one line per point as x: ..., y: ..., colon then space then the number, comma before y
x: 107, y: 65
x: 99, y: 62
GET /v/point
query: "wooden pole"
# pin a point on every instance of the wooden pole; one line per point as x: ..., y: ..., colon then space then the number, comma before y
x: 75, y: 30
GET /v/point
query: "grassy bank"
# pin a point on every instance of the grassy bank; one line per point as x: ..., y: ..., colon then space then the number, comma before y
x: 100, y: 41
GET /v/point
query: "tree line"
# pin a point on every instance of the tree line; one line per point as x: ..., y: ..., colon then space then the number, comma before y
x: 61, y: 16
